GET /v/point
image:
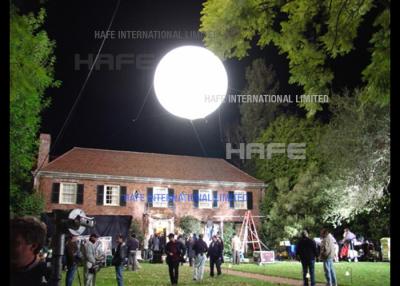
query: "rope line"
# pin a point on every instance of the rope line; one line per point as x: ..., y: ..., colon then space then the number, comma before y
x: 80, y: 92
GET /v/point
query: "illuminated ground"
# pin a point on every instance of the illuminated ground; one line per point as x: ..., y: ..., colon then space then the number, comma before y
x: 157, y: 274
x: 363, y: 274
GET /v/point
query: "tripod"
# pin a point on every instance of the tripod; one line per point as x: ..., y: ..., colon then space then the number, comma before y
x: 65, y: 221
x: 79, y: 277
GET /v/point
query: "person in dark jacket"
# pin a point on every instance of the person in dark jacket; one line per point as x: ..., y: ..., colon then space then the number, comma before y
x: 190, y: 251
x: 118, y: 259
x: 215, y: 252
x: 181, y: 239
x: 219, y: 238
x: 27, y: 237
x: 307, y: 251
x: 175, y: 252
x: 132, y: 247
x: 72, y: 259
x: 163, y: 241
x: 150, y: 256
x: 156, y: 249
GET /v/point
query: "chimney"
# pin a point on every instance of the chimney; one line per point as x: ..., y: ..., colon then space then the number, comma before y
x: 44, y: 149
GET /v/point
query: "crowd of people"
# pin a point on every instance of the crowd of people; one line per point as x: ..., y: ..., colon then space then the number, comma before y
x: 28, y: 267
x: 178, y: 250
x: 327, y: 251
x: 193, y: 250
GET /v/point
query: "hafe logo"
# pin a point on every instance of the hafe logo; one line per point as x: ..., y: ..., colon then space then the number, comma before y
x: 112, y: 62
x: 294, y: 151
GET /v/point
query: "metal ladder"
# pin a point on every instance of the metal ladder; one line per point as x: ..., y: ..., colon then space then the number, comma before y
x: 248, y: 233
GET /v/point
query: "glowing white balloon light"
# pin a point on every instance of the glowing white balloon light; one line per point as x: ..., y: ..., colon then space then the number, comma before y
x: 190, y: 82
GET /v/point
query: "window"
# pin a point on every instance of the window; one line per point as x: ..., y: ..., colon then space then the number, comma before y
x: 196, y: 199
x: 160, y: 197
x: 111, y: 195
x: 215, y: 199
x: 205, y: 199
x: 68, y: 193
x: 240, y: 200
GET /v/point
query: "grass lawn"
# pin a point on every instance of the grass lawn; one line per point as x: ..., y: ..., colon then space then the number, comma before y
x: 157, y: 274
x: 364, y: 273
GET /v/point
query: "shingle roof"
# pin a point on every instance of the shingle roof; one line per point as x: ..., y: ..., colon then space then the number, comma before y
x: 147, y: 165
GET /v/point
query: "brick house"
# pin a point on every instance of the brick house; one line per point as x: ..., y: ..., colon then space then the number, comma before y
x: 155, y: 189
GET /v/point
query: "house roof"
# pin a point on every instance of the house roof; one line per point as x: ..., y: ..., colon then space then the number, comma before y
x: 148, y: 165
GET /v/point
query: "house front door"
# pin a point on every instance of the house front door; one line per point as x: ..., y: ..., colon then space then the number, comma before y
x: 160, y: 225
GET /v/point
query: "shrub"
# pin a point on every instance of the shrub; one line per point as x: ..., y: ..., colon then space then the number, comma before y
x: 229, y: 232
x: 136, y: 228
x: 189, y: 224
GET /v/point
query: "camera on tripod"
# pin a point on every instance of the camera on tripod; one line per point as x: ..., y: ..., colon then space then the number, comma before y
x: 72, y: 221
x: 66, y: 221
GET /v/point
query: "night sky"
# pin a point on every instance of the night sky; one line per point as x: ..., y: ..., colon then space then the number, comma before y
x: 103, y: 118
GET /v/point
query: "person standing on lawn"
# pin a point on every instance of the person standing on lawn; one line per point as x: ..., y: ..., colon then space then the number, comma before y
x: 219, y: 238
x: 236, y: 249
x: 175, y: 252
x: 156, y: 249
x: 327, y: 255
x: 181, y: 239
x: 349, y: 238
x: 133, y: 246
x: 145, y: 247
x: 163, y: 242
x: 200, y: 249
x: 190, y: 251
x: 307, y: 251
x: 119, y: 258
x: 150, y: 255
x: 72, y: 259
x: 90, y: 266
x: 336, y: 247
x: 215, y: 252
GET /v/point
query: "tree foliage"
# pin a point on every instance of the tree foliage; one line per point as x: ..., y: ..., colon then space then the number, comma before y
x: 377, y: 73
x: 279, y: 169
x: 345, y: 176
x: 31, y: 73
x: 373, y: 224
x: 356, y: 147
x: 295, y: 197
x: 296, y: 209
x: 137, y: 228
x: 189, y: 224
x: 344, y: 179
x: 309, y: 32
x: 229, y: 232
x: 255, y: 117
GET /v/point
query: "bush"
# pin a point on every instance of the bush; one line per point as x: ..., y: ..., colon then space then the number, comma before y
x: 136, y: 228
x: 25, y: 203
x: 229, y: 232
x: 189, y: 224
